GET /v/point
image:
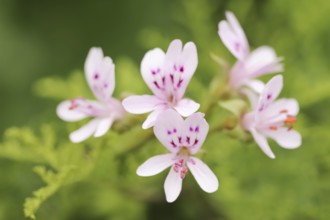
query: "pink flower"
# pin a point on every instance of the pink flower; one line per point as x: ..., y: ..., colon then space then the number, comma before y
x: 167, y: 76
x: 250, y: 65
x: 274, y: 119
x: 100, y: 75
x: 183, y: 138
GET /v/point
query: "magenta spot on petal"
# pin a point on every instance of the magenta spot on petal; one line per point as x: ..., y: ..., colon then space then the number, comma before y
x: 153, y: 72
x: 96, y: 76
x: 195, y: 142
x: 173, y: 144
x: 261, y: 108
x: 181, y: 69
x: 169, y: 132
x: 172, y: 78
x: 188, y: 140
x: 174, y: 130
x: 197, y: 129
x: 269, y: 96
x: 163, y: 80
x: 156, y: 84
x: 180, y: 139
x: 191, y: 129
x: 179, y: 83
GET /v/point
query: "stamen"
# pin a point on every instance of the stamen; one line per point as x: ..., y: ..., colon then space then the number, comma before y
x: 284, y: 111
x: 73, y: 104
x: 290, y: 120
x: 273, y: 128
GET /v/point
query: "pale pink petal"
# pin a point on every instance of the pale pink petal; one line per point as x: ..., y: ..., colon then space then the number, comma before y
x: 262, y: 60
x: 155, y: 165
x: 233, y: 37
x: 168, y: 129
x: 65, y: 112
x: 248, y: 121
x: 203, y: 175
x: 186, y: 107
x: 152, y: 117
x: 180, y: 65
x: 262, y: 142
x: 256, y: 85
x: 84, y: 132
x: 139, y: 104
x: 172, y: 186
x: 287, y: 106
x: 100, y: 74
x: 103, y: 126
x: 194, y: 132
x: 287, y: 138
x: 152, y: 71
x: 270, y: 92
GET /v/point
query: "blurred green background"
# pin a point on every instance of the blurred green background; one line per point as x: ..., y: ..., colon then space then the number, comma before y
x: 43, y: 45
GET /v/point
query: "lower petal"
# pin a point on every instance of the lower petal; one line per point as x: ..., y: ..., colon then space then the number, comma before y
x: 203, y: 175
x: 151, y: 119
x: 186, y: 107
x: 262, y: 142
x: 84, y: 132
x: 103, y: 126
x: 256, y: 85
x: 155, y: 165
x: 286, y: 138
x: 172, y: 186
x: 139, y: 104
x: 66, y: 113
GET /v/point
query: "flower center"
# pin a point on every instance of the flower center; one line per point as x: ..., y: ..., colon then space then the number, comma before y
x: 180, y: 166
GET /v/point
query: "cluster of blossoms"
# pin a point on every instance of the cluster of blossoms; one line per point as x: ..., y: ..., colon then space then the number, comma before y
x: 168, y: 75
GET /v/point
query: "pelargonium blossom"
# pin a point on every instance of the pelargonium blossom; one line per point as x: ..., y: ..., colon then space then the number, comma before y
x: 100, y: 75
x: 249, y: 65
x: 183, y: 138
x: 273, y: 118
x: 167, y: 76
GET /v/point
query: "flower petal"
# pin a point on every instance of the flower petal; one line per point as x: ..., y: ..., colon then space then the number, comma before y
x: 151, y: 119
x: 100, y: 74
x: 203, y: 175
x: 172, y: 186
x: 256, y: 85
x: 168, y: 129
x: 103, y: 126
x: 194, y: 132
x: 286, y: 138
x: 84, y: 132
x: 233, y: 37
x: 262, y: 142
x: 152, y: 71
x: 270, y: 92
x: 289, y: 106
x: 155, y: 165
x: 139, y: 104
x: 65, y: 112
x: 186, y: 107
x: 262, y: 60
x: 180, y: 65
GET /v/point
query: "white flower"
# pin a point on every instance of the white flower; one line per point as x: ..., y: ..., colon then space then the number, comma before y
x: 274, y: 119
x: 100, y: 76
x: 183, y: 138
x: 250, y: 65
x: 167, y: 75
